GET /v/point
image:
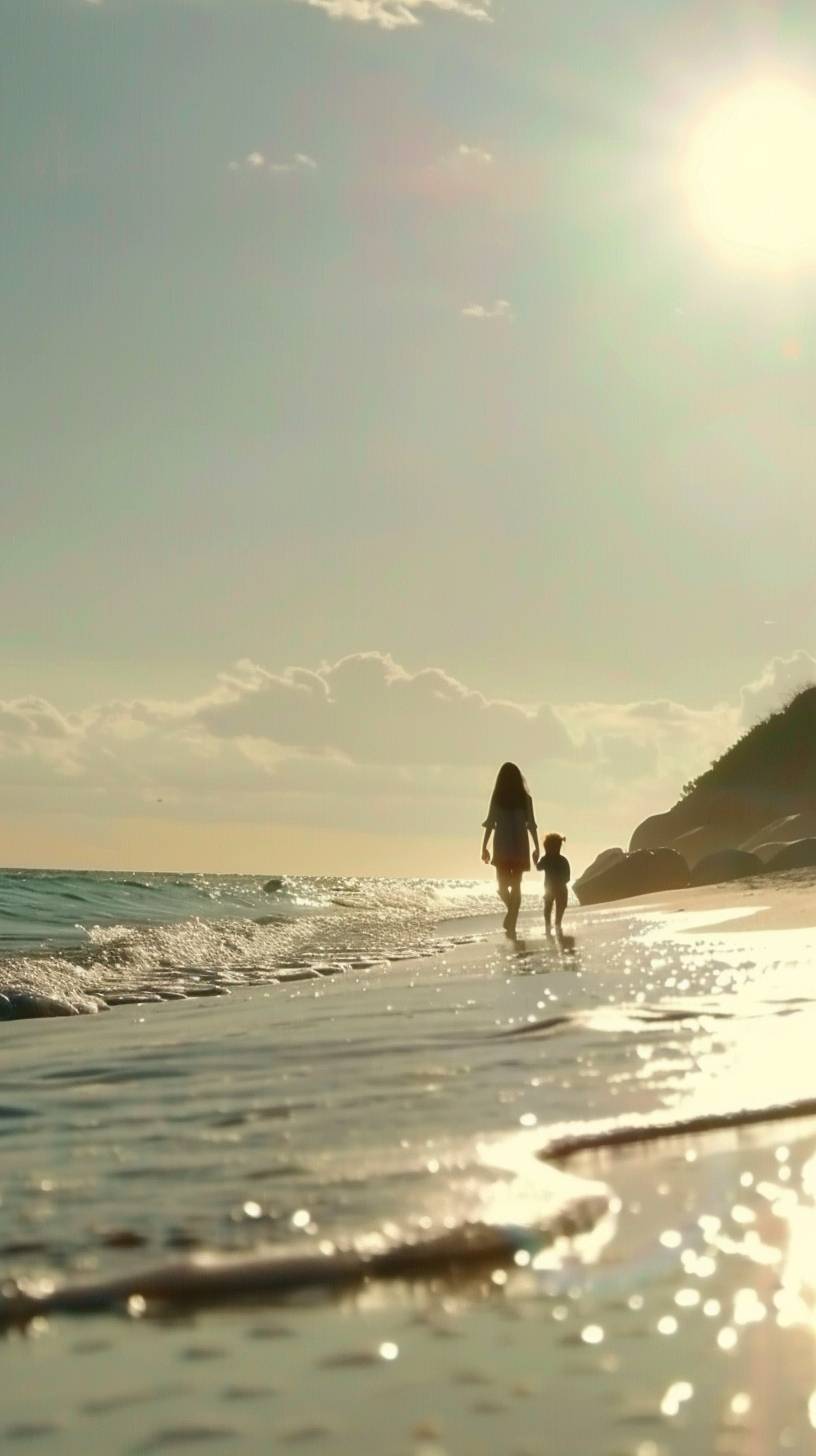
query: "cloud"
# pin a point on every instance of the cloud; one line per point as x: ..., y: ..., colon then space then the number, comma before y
x: 395, y: 14
x: 362, y: 742
x: 778, y: 681
x: 23, y: 718
x: 366, y: 743
x: 477, y: 155
x: 463, y: 174
x: 368, y: 709
x: 256, y: 163
x: 499, y: 310
x: 657, y: 738
x: 300, y: 162
x: 35, y: 737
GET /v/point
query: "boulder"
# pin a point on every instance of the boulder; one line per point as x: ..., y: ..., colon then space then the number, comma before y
x: 657, y: 830
x: 797, y: 856
x: 784, y: 831
x: 640, y: 873
x: 698, y: 843
x: 706, y: 822
x: 669, y: 869
x: 724, y: 865
x: 601, y: 862
x: 767, y: 852
x: 760, y: 791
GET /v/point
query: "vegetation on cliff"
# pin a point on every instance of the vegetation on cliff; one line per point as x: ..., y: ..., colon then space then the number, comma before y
x: 777, y: 755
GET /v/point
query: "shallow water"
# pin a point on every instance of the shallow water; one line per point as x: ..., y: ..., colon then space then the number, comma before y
x: 486, y: 1085
x: 397, y: 1100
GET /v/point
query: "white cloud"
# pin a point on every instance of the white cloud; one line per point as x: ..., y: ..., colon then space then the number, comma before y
x: 366, y: 743
x: 500, y: 309
x: 362, y: 743
x: 370, y: 710
x: 460, y: 175
x: 394, y: 14
x: 477, y: 155
x: 654, y: 739
x: 23, y: 718
x: 34, y: 735
x: 257, y: 163
x: 778, y: 681
x: 300, y: 162
x: 252, y: 162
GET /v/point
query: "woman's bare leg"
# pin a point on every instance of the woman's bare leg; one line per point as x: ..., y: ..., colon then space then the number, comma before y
x: 503, y: 887
x: 513, y: 901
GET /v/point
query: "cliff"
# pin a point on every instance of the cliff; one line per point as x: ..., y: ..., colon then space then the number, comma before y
x: 760, y: 793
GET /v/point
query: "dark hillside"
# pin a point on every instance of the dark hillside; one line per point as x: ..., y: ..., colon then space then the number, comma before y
x: 778, y: 754
x: 769, y: 773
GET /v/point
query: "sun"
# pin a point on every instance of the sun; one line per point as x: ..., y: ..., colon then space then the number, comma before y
x: 750, y: 175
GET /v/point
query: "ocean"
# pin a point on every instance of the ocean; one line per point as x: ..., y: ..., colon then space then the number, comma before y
x: 329, y: 1126
x: 73, y: 942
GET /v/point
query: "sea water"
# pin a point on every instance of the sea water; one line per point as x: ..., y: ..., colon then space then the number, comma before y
x: 365, y: 1052
x: 330, y: 1083
x: 80, y: 942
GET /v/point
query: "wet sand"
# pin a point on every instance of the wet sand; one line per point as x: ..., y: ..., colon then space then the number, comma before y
x: 693, y: 1333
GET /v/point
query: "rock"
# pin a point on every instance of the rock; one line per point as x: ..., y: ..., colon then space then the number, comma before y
x: 705, y: 824
x: 703, y: 840
x: 17, y: 1005
x: 640, y: 873
x: 724, y: 865
x: 766, y: 852
x: 657, y: 830
x: 797, y: 856
x: 601, y: 862
x: 761, y: 791
x: 784, y: 831
x: 670, y: 869
x: 274, y: 885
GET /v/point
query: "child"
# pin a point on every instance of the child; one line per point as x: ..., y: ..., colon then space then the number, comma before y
x: 557, y: 875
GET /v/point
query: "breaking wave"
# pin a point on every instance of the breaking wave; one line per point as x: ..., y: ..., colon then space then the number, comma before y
x: 73, y: 943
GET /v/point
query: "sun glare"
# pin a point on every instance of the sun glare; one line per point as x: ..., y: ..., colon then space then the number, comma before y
x: 751, y: 175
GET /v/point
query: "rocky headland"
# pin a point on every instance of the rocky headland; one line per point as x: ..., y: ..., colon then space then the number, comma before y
x: 753, y: 812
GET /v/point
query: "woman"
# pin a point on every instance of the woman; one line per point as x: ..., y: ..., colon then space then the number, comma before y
x: 511, y: 821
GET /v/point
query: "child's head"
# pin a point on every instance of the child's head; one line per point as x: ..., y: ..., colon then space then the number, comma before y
x: 552, y: 843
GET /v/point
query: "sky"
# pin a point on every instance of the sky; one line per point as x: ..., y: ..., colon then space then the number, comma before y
x: 391, y: 389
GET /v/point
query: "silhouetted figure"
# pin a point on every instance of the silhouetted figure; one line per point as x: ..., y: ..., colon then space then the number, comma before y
x: 557, y: 875
x: 511, y: 821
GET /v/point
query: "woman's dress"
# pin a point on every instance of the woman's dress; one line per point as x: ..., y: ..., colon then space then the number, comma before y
x: 511, y: 835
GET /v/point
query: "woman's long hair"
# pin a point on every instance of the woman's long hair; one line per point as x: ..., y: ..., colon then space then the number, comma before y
x: 510, y: 791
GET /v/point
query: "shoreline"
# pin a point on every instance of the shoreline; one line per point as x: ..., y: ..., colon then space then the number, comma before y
x: 219, y: 1120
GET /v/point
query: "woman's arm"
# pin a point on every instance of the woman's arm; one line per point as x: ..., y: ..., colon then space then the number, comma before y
x: 532, y: 828
x: 488, y: 826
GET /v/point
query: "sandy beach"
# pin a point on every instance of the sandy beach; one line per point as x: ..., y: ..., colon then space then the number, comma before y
x: 394, y: 1107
